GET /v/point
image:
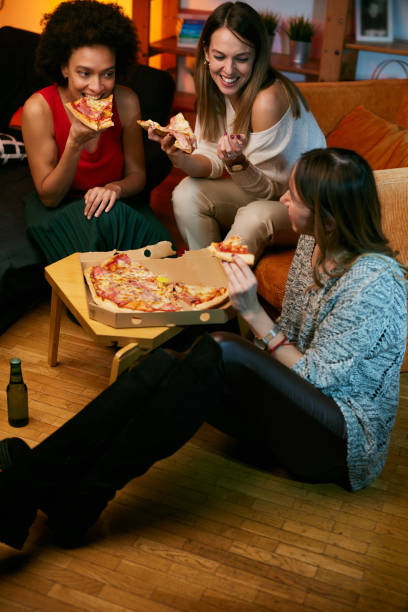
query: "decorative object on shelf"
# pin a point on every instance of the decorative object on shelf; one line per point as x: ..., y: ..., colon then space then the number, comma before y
x: 374, y: 20
x: 271, y: 22
x: 300, y: 32
x: 382, y: 65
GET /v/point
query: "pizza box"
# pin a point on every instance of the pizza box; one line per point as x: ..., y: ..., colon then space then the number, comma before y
x: 195, y: 267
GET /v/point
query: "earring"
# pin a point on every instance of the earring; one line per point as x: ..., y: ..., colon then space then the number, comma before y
x: 206, y: 62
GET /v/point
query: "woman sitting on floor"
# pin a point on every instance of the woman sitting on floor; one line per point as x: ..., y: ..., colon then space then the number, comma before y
x: 85, y: 179
x: 321, y: 399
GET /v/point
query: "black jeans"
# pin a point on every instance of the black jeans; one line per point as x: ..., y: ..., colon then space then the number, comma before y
x: 153, y: 410
x: 281, y: 415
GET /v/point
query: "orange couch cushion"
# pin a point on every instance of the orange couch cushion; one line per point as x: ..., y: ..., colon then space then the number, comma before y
x: 402, y: 114
x: 272, y: 273
x: 382, y: 143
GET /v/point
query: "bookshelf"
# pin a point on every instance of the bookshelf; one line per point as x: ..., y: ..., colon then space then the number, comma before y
x: 330, y: 66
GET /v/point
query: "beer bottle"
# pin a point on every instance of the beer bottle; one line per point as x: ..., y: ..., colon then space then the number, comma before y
x: 17, y: 399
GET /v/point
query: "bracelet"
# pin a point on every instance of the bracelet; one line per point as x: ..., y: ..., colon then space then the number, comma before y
x: 281, y: 343
x: 237, y: 165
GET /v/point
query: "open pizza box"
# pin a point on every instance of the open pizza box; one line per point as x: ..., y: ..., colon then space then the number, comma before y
x: 194, y: 267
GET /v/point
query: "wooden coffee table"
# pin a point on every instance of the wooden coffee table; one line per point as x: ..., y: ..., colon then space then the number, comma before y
x: 68, y: 287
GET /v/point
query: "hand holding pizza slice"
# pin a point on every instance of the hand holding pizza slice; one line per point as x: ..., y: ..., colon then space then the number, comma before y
x: 228, y: 248
x: 94, y: 113
x: 178, y: 127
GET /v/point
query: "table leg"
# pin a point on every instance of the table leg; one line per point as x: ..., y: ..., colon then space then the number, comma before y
x: 55, y: 325
x: 125, y: 358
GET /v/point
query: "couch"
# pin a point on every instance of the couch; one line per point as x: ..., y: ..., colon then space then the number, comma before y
x: 370, y: 117
x: 21, y: 266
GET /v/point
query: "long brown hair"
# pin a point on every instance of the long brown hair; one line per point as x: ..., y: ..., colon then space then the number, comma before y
x: 339, y: 187
x: 246, y: 24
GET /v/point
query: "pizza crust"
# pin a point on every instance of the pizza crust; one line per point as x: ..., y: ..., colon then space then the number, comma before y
x: 178, y: 127
x: 249, y: 258
x: 159, y: 130
x: 219, y: 299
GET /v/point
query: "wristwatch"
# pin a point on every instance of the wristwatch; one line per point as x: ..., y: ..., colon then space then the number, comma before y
x: 238, y: 164
x: 263, y: 342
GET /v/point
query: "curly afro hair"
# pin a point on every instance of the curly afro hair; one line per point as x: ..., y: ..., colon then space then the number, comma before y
x: 82, y: 23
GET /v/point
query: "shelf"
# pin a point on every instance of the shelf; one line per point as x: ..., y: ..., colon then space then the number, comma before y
x: 280, y: 61
x: 397, y: 47
x: 169, y: 45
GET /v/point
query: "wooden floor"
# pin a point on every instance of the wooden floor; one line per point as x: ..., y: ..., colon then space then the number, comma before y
x: 202, y: 531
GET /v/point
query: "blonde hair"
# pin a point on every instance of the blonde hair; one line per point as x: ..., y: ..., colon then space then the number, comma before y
x: 246, y: 24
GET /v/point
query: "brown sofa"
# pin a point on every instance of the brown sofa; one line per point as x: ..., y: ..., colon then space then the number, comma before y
x: 331, y: 103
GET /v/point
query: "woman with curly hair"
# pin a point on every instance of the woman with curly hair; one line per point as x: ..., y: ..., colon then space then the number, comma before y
x: 252, y: 125
x: 80, y: 174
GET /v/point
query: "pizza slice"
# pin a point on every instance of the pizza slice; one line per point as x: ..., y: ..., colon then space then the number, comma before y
x: 94, y: 113
x: 120, y: 285
x: 228, y: 248
x: 160, y: 131
x: 178, y: 127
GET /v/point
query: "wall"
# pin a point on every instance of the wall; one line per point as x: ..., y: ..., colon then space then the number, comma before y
x: 27, y: 14
x: 367, y: 62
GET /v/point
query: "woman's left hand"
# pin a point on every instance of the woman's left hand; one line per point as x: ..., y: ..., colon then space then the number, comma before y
x: 242, y: 287
x: 99, y: 199
x: 230, y: 147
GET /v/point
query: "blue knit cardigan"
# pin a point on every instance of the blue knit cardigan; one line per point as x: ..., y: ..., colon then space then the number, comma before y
x: 352, y: 333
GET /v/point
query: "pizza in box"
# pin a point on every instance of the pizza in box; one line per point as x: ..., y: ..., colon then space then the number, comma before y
x: 120, y: 285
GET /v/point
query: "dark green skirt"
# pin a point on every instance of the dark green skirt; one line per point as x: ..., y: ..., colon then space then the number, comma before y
x: 65, y: 230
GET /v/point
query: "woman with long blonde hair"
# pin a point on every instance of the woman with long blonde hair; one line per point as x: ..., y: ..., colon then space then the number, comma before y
x: 252, y: 125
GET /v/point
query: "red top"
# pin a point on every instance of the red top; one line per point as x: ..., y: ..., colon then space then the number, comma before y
x: 94, y: 169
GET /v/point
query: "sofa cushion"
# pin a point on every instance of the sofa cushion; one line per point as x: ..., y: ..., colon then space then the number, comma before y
x: 393, y: 192
x: 382, y: 143
x: 272, y: 273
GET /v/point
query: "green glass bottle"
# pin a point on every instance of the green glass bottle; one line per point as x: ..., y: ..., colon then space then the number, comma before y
x: 17, y: 397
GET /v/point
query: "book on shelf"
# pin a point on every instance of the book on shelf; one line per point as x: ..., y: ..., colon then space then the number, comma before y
x: 192, y: 23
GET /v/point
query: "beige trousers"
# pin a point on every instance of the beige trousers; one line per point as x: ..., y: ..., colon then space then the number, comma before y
x: 208, y: 210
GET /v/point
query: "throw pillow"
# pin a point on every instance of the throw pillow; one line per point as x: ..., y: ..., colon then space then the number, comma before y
x: 10, y: 148
x: 15, y: 121
x: 382, y: 143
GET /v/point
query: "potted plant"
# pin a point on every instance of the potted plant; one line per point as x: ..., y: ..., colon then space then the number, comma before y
x: 300, y: 32
x: 271, y: 21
